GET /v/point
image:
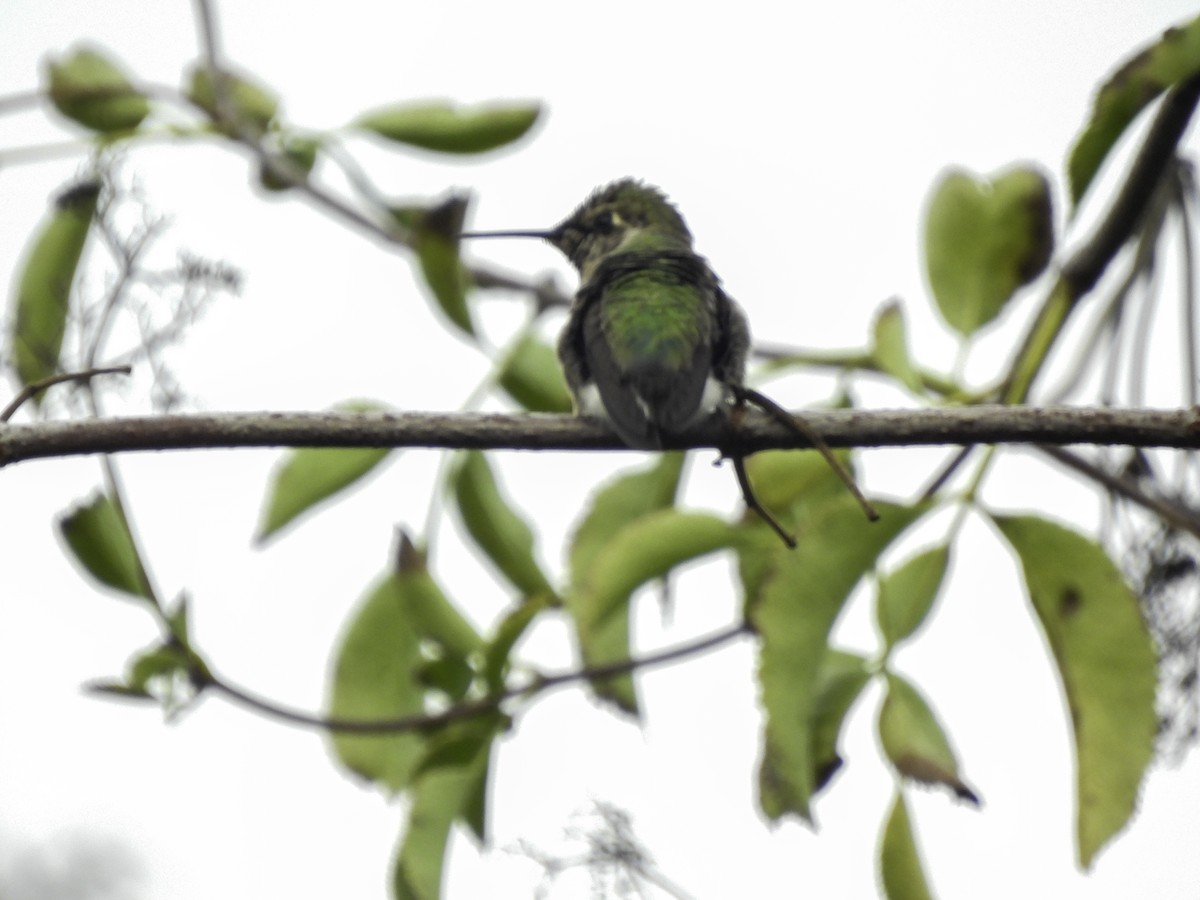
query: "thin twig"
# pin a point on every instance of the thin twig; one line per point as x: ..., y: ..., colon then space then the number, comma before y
x: 471, y: 708
x: 1178, y: 515
x: 31, y: 389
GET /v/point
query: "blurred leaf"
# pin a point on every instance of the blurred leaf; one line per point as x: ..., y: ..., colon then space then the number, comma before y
x: 161, y: 661
x: 613, y: 509
x: 985, y: 238
x: 308, y: 476
x: 446, y: 788
x: 797, y: 598
x: 1106, y: 660
x: 906, y: 595
x: 44, y: 284
x: 495, y: 527
x: 839, y: 683
x: 376, y: 676
x: 252, y: 104
x: 445, y: 128
x: 431, y: 613
x: 1129, y: 90
x: 507, y: 633
x: 782, y: 478
x: 532, y: 376
x: 299, y: 152
x: 900, y: 867
x: 434, y: 237
x: 88, y: 87
x: 891, y: 347
x: 914, y: 741
x: 99, y: 539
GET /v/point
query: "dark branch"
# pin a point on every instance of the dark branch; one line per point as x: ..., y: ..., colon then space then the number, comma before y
x: 529, y: 431
x: 470, y: 708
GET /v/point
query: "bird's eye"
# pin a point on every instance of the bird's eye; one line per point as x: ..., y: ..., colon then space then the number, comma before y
x: 605, y: 222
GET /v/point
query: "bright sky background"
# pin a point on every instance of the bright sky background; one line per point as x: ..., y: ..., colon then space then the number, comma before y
x: 800, y: 146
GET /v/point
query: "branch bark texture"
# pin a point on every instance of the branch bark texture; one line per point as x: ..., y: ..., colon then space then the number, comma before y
x: 526, y: 431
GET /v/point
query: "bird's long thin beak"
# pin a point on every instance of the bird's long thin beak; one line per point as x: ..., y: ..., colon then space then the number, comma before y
x: 544, y: 235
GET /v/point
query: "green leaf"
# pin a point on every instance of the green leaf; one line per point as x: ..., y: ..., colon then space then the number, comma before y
x: 253, y: 105
x: 87, y: 87
x: 431, y: 613
x: 299, y: 153
x: 984, y: 239
x: 44, y: 285
x: 906, y: 595
x: 900, y: 866
x: 99, y: 539
x: 839, y: 683
x: 495, y: 526
x: 310, y: 476
x: 376, y: 676
x: 1174, y: 58
x: 447, y: 788
x: 1106, y: 660
x: 445, y: 128
x: 914, y: 741
x: 508, y: 632
x: 614, y: 508
x: 781, y: 478
x: 435, y: 235
x: 891, y: 347
x: 796, y: 597
x: 532, y: 376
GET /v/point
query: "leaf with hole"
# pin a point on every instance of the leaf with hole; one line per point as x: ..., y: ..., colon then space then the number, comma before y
x: 1106, y: 661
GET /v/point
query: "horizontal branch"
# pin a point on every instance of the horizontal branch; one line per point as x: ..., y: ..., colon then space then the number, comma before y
x: 529, y: 431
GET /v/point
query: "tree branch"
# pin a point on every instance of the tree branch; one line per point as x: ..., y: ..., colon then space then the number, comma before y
x: 469, y: 708
x: 530, y: 431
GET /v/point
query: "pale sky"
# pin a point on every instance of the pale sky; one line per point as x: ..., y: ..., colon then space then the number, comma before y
x: 800, y: 147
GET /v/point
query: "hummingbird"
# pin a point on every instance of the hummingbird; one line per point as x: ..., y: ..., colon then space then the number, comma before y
x: 653, y: 344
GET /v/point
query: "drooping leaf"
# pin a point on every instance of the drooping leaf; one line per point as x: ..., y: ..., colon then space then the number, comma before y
x: 906, y: 595
x: 532, y: 376
x: 984, y: 239
x: 435, y: 234
x: 915, y: 742
x: 445, y: 128
x: 793, y: 602
x: 376, y: 676
x: 447, y: 787
x: 253, y: 105
x: 309, y: 476
x: 840, y: 681
x: 891, y: 347
x: 614, y: 508
x: 900, y: 867
x: 1172, y: 59
x: 99, y: 540
x: 495, y: 526
x: 44, y: 285
x: 88, y: 87
x: 1106, y: 661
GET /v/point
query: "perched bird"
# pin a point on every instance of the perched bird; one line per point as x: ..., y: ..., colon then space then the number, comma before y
x: 653, y: 344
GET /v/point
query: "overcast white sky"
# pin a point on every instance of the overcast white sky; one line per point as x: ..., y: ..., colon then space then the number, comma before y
x: 800, y: 146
